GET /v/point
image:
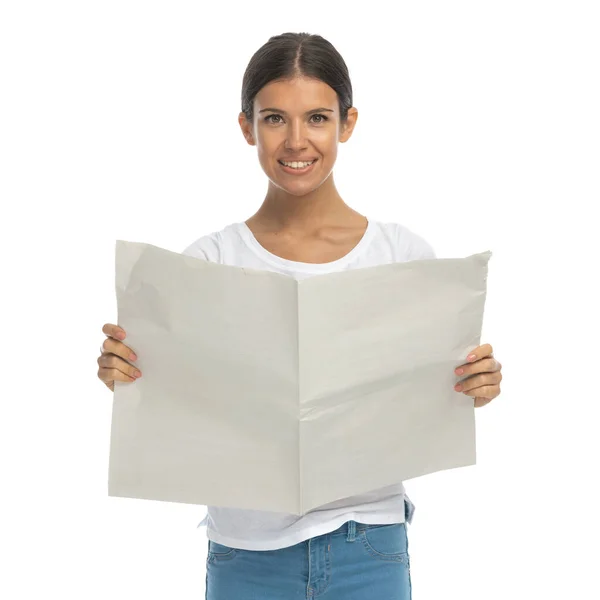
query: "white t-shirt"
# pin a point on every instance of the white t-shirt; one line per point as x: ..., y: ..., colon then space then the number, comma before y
x: 382, y: 243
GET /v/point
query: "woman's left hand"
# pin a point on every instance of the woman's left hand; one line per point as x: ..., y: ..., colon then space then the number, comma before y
x: 484, y: 376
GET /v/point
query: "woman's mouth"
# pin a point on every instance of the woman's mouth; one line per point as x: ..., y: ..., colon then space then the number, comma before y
x: 297, y: 168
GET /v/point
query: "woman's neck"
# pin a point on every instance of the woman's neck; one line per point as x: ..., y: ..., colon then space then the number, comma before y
x: 282, y: 211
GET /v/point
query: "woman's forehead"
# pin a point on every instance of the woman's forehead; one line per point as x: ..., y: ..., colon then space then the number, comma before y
x: 298, y: 94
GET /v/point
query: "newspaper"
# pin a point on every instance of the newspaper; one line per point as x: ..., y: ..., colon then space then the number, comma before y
x: 260, y: 391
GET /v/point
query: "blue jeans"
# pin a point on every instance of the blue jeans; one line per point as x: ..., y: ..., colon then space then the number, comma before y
x: 354, y: 562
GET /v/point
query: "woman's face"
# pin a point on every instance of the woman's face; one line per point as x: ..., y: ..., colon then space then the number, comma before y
x: 298, y: 119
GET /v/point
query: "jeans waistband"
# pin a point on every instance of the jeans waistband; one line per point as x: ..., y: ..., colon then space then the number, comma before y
x: 352, y: 528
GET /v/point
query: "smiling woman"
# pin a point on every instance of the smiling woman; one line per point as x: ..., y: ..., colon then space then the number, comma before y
x: 296, y: 109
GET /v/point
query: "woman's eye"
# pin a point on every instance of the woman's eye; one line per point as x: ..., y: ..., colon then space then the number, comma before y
x: 323, y: 118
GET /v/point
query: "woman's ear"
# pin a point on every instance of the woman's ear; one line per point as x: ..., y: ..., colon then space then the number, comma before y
x: 348, y: 127
x: 246, y: 128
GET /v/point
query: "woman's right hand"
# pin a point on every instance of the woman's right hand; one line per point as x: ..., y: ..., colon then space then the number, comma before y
x: 113, y: 365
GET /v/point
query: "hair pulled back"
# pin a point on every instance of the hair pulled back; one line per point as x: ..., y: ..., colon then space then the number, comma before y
x: 291, y: 55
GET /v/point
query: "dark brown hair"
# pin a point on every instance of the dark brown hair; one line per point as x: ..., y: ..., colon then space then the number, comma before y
x: 292, y: 55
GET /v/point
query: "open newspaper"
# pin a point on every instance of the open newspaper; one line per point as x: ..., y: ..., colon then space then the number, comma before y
x: 263, y: 392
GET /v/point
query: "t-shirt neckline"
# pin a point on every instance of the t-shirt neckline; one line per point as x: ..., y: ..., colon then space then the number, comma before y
x: 292, y: 265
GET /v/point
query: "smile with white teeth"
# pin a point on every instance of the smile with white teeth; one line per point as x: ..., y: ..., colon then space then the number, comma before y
x: 297, y: 165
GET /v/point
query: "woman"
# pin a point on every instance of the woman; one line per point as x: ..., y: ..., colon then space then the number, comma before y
x: 296, y: 108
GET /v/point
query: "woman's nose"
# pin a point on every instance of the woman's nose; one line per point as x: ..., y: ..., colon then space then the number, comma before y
x: 296, y: 136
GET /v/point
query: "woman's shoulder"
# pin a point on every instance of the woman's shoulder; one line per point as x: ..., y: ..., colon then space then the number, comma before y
x: 210, y: 246
x: 407, y: 241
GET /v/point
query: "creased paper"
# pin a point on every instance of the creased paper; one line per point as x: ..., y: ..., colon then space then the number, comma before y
x: 263, y: 392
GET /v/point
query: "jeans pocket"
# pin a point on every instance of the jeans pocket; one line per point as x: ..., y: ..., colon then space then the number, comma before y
x: 218, y: 551
x: 386, y: 542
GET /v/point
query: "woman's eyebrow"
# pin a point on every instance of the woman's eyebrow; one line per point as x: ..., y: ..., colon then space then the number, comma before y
x: 308, y: 112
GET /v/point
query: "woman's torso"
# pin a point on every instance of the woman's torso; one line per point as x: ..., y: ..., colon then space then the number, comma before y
x: 236, y: 245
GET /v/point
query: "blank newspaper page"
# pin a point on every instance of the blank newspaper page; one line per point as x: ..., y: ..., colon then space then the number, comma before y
x: 263, y: 392
x: 378, y: 349
x: 214, y: 417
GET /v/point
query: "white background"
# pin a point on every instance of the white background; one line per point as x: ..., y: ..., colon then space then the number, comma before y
x: 478, y: 128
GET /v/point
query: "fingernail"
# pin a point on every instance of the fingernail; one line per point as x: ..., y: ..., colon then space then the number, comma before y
x: 459, y: 371
x: 458, y: 387
x: 132, y: 357
x: 121, y: 335
x: 137, y: 374
x: 471, y: 357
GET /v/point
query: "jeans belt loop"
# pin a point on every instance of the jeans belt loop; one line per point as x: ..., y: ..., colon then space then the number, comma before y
x: 351, y: 531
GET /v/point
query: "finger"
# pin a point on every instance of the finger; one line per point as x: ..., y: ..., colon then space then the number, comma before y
x: 107, y: 374
x: 114, y: 331
x: 475, y: 381
x: 111, y: 361
x: 485, y: 391
x: 110, y: 346
x: 480, y: 352
x: 485, y: 365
